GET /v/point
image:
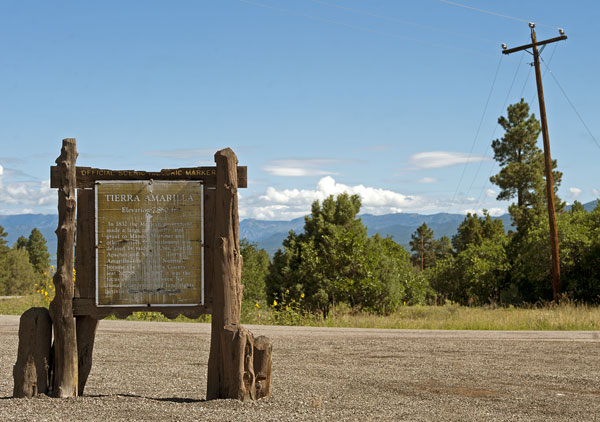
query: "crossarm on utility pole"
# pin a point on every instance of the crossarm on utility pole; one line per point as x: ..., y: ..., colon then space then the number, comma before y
x: 525, y: 47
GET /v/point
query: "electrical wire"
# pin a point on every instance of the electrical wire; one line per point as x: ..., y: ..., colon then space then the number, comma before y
x: 361, y: 28
x: 571, y: 104
x: 403, y: 21
x: 478, y: 128
x: 496, y: 126
x: 476, y: 9
x: 487, y: 180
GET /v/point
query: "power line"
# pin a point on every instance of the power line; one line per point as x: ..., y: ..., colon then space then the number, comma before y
x: 489, y: 12
x: 478, y: 129
x: 485, y: 184
x: 403, y: 21
x: 571, y: 104
x: 360, y: 28
x: 496, y: 126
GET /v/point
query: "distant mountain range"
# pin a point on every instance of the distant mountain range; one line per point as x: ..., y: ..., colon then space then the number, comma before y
x: 270, y: 234
x: 22, y: 224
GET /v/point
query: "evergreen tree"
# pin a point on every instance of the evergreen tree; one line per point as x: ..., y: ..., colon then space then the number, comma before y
x: 3, y: 234
x: 254, y: 271
x: 38, y: 251
x: 422, y: 244
x: 522, y: 162
x: 473, y: 230
x: 334, y: 261
x: 442, y: 248
x: 17, y: 275
x: 21, y: 243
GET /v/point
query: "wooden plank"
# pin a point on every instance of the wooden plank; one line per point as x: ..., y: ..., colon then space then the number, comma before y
x: 85, y: 282
x: 85, y: 256
x: 209, y: 243
x: 87, y: 307
x: 87, y: 176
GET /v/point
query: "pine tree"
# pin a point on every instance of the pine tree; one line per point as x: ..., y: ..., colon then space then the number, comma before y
x: 38, y: 251
x: 21, y: 243
x: 422, y: 244
x: 522, y: 162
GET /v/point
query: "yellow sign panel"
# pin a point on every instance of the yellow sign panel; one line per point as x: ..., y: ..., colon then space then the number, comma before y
x: 149, y: 243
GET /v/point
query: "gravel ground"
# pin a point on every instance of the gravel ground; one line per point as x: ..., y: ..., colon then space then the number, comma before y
x: 147, y: 371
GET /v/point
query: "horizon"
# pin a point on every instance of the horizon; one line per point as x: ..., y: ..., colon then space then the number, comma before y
x: 395, y: 102
x: 308, y: 213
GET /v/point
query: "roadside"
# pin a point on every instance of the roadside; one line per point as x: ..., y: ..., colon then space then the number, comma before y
x: 157, y: 371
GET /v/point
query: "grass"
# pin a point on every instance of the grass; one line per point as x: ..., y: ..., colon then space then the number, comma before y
x: 19, y: 304
x: 567, y: 316
x: 564, y: 317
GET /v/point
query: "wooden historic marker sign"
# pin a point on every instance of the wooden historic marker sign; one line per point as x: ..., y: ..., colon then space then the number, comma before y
x: 149, y: 243
x: 140, y: 244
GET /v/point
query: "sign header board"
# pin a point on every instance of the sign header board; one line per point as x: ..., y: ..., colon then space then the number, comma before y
x: 149, y: 243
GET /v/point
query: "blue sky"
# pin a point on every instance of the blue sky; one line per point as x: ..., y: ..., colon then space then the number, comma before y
x: 394, y: 100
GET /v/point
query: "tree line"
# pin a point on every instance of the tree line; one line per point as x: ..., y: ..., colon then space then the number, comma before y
x: 333, y: 261
x: 24, y: 265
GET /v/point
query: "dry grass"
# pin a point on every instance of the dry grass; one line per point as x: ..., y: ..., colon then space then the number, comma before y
x: 564, y: 317
x: 568, y: 316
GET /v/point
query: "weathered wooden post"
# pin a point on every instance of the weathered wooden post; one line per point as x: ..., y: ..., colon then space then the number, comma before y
x: 31, y: 373
x: 231, y: 372
x: 85, y: 263
x: 61, y: 308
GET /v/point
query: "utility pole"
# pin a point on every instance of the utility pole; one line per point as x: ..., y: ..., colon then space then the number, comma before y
x: 547, y: 158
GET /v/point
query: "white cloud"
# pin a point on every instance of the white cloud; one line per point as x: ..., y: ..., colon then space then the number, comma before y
x: 439, y: 159
x: 1, y: 170
x: 575, y: 192
x: 291, y: 203
x: 26, y: 194
x: 494, y: 212
x: 491, y: 193
x: 299, y: 167
x: 427, y: 180
x: 295, y: 171
x: 596, y: 191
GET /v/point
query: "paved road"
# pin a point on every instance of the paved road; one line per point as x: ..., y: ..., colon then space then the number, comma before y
x: 157, y: 371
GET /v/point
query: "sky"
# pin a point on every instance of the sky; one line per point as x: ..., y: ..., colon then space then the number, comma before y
x: 396, y: 101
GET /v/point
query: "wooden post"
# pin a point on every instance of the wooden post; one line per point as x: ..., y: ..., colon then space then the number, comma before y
x: 32, y: 371
x: 61, y: 308
x: 548, y: 172
x: 85, y: 264
x: 231, y: 360
x: 547, y: 158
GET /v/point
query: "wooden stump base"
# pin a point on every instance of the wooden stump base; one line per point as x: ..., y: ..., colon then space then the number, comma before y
x: 31, y: 373
x: 246, y: 364
x: 86, y: 333
x: 263, y: 350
